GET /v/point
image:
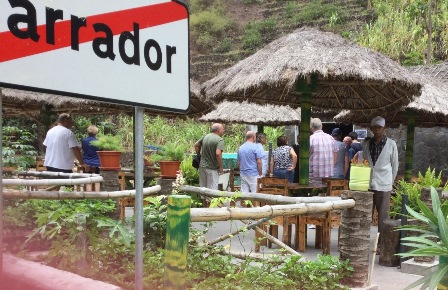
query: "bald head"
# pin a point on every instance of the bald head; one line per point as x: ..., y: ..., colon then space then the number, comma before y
x: 250, y: 136
x: 218, y: 129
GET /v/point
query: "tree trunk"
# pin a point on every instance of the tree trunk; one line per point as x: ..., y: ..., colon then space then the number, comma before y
x: 355, y: 236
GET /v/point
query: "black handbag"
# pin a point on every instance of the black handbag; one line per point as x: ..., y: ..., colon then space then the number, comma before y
x: 196, y: 161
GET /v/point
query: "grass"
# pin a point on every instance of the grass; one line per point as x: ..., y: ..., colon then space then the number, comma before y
x: 256, y: 32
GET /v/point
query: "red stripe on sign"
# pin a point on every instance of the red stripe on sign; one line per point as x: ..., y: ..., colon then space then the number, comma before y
x: 12, y: 47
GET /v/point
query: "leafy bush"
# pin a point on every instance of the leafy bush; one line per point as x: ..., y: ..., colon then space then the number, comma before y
x: 110, y: 253
x: 190, y: 174
x: 413, y: 190
x: 430, y: 178
x: 18, y: 150
x: 108, y: 143
x: 170, y: 152
x: 400, y: 30
x: 207, y: 27
x: 255, y: 32
x: 434, y: 226
x: 224, y: 46
x: 315, y: 10
x: 291, y: 8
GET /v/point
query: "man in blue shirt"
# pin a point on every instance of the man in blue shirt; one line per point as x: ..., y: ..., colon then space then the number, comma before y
x: 249, y: 162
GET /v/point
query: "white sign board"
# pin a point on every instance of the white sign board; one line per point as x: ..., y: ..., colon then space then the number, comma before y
x: 133, y: 52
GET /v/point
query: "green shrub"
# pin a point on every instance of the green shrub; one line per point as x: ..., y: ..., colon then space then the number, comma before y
x: 224, y: 46
x: 430, y: 178
x: 291, y: 8
x: 190, y: 174
x: 252, y: 39
x: 18, y: 150
x: 208, y: 26
x: 253, y: 1
x: 256, y: 31
x: 197, y: 6
x: 413, y: 190
x: 315, y: 10
x: 108, y: 143
x: 169, y: 152
x: 433, y: 227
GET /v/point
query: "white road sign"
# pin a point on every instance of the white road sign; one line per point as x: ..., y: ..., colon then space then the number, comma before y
x: 134, y: 52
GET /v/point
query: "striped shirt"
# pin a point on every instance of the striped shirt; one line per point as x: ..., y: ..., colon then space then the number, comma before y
x: 322, y: 148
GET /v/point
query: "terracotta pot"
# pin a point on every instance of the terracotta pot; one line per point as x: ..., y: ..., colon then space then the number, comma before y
x: 169, y: 169
x: 110, y: 160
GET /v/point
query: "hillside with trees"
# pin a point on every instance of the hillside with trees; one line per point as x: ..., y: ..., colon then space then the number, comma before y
x: 224, y: 32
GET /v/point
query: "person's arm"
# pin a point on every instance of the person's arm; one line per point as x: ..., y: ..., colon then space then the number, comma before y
x: 259, y: 166
x: 197, y: 147
x: 271, y: 165
x: 394, y: 161
x: 78, y: 155
x: 219, y: 159
x: 335, y: 158
x: 346, y: 163
x: 294, y: 159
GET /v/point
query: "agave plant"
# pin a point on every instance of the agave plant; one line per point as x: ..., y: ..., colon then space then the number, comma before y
x: 435, y: 227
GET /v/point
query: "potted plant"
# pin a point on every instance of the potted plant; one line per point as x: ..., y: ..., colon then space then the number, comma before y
x: 434, y: 225
x: 169, y: 158
x: 110, y: 148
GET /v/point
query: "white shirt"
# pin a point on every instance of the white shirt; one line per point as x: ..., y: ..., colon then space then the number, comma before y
x: 59, y: 142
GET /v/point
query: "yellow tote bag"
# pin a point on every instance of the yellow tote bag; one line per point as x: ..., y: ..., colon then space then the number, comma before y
x: 359, y: 178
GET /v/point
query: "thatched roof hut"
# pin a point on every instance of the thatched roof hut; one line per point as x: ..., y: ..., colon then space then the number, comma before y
x: 349, y: 76
x: 250, y: 113
x: 25, y: 103
x: 431, y: 107
x: 437, y: 71
x: 29, y: 104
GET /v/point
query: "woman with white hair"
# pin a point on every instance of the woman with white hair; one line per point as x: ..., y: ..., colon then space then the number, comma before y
x: 89, y: 151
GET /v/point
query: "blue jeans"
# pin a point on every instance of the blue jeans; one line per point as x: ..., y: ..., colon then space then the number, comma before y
x: 284, y: 174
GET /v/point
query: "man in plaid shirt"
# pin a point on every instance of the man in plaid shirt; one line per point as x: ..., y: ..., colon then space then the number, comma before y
x: 323, y: 151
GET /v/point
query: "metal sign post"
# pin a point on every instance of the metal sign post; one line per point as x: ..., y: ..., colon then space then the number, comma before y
x: 138, y: 170
x: 1, y: 183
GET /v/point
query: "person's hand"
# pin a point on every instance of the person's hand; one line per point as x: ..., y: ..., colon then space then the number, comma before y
x: 290, y: 168
x: 220, y: 171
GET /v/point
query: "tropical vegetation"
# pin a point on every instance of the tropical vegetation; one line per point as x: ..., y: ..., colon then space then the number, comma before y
x: 413, y: 191
x: 434, y: 225
x: 109, y: 252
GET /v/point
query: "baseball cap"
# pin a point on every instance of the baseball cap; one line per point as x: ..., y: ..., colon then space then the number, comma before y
x: 336, y: 132
x: 378, y: 121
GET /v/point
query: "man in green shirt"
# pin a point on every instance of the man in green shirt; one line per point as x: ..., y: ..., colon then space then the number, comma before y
x: 210, y: 147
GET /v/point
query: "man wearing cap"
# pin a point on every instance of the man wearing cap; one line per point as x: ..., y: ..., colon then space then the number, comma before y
x: 341, y: 165
x: 322, y: 151
x: 382, y: 155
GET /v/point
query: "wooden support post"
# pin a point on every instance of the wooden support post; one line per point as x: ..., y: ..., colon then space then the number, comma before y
x: 410, y: 115
x: 390, y: 244
x: 355, y: 236
x: 176, y: 247
x: 305, y: 87
x: 81, y: 241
